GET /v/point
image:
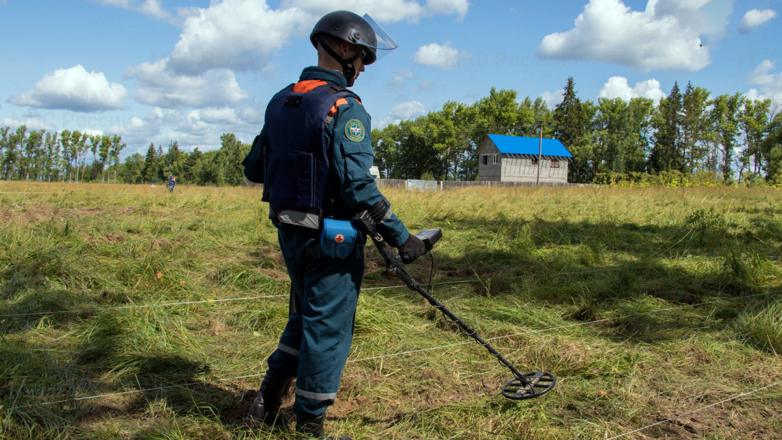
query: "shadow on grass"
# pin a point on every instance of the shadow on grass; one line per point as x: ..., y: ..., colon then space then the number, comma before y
x: 43, y: 390
x: 599, y: 270
x: 560, y: 263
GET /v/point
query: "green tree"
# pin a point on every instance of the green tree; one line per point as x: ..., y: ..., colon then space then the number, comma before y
x: 150, y: 172
x: 103, y: 155
x: 116, y: 148
x: 4, y: 148
x: 232, y: 152
x: 79, y: 148
x: 14, y: 151
x: 94, y: 146
x: 171, y: 161
x: 572, y: 121
x: 189, y: 167
x: 51, y: 158
x: 132, y: 170
x: 32, y: 147
x: 620, y: 129
x: 67, y: 151
x: 694, y: 126
x: 210, y: 170
x: 771, y: 148
x: 753, y: 121
x: 724, y: 117
x: 543, y: 116
x: 667, y: 152
x: 450, y: 132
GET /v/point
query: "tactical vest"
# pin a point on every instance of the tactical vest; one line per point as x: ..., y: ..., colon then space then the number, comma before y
x: 297, y: 157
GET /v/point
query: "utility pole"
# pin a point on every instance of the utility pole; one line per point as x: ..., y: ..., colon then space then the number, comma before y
x: 540, y: 153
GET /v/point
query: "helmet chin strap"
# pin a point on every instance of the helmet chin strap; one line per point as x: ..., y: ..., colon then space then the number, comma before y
x: 347, y: 65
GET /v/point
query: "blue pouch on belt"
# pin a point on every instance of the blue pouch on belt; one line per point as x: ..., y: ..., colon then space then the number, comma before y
x: 337, y: 238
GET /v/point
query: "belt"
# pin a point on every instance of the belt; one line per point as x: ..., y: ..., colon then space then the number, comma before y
x: 296, y: 218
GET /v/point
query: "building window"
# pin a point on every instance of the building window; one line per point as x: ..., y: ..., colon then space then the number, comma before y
x: 534, y: 161
x: 554, y: 164
x: 494, y: 159
x: 485, y: 159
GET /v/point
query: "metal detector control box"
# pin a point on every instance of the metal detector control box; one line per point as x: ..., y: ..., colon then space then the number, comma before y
x: 430, y: 237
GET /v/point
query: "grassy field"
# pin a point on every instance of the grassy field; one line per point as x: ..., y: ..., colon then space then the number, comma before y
x: 121, y: 292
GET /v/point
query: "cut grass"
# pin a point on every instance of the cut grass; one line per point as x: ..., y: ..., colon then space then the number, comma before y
x: 674, y: 268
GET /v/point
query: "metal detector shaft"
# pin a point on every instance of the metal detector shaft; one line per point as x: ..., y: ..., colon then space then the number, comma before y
x: 522, y: 386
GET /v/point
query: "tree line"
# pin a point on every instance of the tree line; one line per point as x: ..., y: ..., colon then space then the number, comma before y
x: 729, y: 136
x: 217, y: 167
x: 72, y: 156
x: 39, y: 155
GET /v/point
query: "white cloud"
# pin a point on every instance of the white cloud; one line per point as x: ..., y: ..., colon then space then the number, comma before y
x: 139, y: 132
x: 218, y: 115
x: 160, y: 86
x: 92, y: 132
x: 426, y: 85
x: 398, y: 81
x: 401, y: 112
x: 667, y: 35
x: 202, y: 128
x: 150, y: 8
x: 154, y: 9
x: 31, y: 123
x: 442, y: 56
x: 244, y: 34
x: 770, y: 83
x: 446, y: 7
x: 193, y: 128
x: 553, y: 98
x: 236, y: 34
x: 755, y: 18
x: 383, y: 10
x: 73, y: 89
x: 617, y: 87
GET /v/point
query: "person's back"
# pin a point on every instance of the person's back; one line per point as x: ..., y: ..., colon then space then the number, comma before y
x: 313, y: 157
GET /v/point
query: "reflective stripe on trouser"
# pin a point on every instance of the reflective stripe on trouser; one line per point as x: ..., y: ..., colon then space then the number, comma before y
x: 316, y: 342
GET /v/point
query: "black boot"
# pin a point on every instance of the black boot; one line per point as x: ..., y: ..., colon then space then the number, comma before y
x: 266, y: 407
x: 313, y: 427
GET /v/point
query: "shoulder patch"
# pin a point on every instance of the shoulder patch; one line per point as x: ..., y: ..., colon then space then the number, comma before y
x: 354, y: 130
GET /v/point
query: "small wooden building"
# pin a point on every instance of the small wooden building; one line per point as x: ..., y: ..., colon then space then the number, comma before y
x: 515, y: 159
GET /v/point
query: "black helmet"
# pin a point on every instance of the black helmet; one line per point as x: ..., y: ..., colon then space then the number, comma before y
x: 350, y: 27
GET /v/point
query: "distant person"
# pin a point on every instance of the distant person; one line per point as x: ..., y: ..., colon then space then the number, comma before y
x: 316, y: 171
x: 171, y: 183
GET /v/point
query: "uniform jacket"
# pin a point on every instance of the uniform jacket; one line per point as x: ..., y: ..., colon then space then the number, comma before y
x: 349, y: 145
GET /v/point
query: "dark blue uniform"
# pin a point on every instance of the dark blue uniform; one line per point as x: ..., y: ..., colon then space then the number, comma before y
x: 316, y: 342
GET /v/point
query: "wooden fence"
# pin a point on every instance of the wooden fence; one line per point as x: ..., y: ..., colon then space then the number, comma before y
x: 451, y: 184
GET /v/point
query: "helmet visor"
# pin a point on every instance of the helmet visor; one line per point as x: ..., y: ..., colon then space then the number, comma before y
x: 378, y: 42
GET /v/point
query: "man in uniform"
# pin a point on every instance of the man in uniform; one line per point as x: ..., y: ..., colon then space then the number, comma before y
x: 313, y: 156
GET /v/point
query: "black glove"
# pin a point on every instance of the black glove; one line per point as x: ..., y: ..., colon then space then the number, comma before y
x: 411, y: 249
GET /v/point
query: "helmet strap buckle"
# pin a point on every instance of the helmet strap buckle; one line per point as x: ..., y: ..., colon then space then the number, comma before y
x: 348, y: 70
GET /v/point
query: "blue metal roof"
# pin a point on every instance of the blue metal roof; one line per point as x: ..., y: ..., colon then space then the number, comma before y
x: 528, y: 145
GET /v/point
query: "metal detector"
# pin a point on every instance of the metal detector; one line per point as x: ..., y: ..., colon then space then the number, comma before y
x: 523, y: 385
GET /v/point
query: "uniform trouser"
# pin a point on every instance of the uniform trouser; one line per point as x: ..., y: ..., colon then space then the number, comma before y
x: 316, y: 342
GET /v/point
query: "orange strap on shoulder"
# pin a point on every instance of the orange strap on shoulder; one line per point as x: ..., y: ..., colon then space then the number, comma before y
x: 308, y: 85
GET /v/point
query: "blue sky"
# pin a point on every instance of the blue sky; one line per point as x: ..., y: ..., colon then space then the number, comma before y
x: 190, y: 70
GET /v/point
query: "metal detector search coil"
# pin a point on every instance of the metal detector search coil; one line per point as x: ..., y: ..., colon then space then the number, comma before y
x: 522, y: 386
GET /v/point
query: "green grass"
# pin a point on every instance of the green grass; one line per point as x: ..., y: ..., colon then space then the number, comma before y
x: 693, y: 278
